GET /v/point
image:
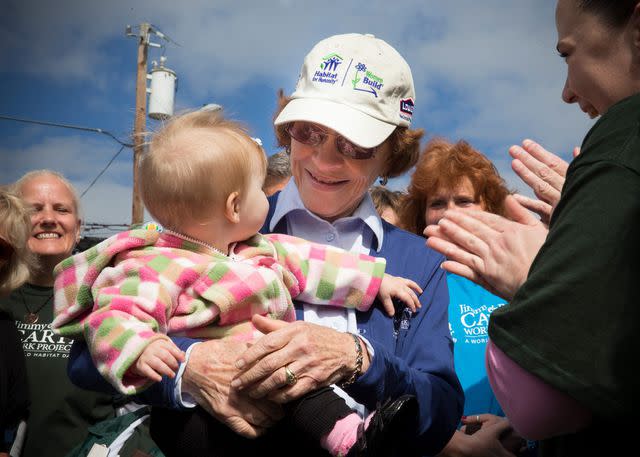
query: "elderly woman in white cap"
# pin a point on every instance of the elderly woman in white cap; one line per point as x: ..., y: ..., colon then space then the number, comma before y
x: 346, y: 125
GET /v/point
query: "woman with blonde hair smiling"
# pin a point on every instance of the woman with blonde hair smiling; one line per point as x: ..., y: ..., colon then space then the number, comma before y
x: 60, y: 414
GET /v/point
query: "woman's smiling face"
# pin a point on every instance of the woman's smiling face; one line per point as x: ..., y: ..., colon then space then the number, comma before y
x: 331, y: 184
x: 599, y: 58
x: 55, y: 225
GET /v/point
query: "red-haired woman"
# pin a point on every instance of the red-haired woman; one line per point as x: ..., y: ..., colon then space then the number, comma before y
x: 455, y: 175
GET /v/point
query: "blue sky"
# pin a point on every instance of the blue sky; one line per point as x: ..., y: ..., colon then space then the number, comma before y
x: 484, y: 71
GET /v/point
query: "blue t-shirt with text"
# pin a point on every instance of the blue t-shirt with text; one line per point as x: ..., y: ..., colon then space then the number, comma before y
x: 470, y: 306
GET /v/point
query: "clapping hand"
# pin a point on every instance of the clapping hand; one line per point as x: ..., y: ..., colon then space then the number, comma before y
x: 493, y: 251
x: 544, y: 172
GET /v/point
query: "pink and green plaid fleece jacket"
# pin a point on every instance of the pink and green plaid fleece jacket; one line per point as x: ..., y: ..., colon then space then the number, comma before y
x: 139, y: 285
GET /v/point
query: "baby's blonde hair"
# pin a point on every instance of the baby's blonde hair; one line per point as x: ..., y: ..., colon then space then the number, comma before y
x: 193, y: 164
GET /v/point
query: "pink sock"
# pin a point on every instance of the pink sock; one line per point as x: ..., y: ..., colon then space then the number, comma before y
x: 344, y: 435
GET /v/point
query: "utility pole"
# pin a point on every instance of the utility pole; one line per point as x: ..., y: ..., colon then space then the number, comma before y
x: 139, y: 126
x: 163, y: 87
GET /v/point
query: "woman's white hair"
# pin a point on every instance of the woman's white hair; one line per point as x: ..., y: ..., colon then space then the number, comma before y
x: 19, y: 184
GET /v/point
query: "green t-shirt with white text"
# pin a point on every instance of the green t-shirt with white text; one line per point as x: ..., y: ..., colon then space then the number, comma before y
x: 60, y: 413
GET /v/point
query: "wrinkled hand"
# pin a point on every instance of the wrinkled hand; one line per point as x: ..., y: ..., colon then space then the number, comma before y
x: 319, y: 356
x: 160, y: 357
x: 486, y: 442
x: 207, y: 377
x: 401, y: 288
x: 544, y: 172
x: 488, y: 249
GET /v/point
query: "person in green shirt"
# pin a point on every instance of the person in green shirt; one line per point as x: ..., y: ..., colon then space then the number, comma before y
x: 562, y: 353
x: 59, y: 413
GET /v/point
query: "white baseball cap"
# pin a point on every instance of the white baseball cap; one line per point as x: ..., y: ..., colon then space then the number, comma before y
x: 357, y: 85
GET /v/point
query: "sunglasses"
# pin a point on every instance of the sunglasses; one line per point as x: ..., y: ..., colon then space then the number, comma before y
x: 6, y: 249
x: 313, y: 135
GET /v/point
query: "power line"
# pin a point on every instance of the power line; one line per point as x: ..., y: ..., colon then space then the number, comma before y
x: 103, y: 170
x: 158, y: 33
x: 95, y: 226
x: 67, y: 126
x: 76, y: 127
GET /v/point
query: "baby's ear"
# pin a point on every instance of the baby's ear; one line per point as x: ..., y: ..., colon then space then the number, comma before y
x: 232, y: 208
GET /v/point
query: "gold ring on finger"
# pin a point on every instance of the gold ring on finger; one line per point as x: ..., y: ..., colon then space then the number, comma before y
x: 291, y: 376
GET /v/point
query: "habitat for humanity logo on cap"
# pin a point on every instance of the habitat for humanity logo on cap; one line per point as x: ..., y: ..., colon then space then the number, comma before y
x: 357, y: 85
x: 328, y: 69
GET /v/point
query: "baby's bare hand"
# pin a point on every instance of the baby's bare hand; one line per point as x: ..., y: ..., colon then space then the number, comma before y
x: 160, y: 357
x: 401, y: 288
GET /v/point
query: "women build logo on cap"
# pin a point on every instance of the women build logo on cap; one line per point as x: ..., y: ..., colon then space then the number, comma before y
x: 406, y: 109
x: 329, y: 67
x: 368, y: 83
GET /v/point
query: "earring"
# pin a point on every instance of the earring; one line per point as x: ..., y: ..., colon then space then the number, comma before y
x: 383, y: 180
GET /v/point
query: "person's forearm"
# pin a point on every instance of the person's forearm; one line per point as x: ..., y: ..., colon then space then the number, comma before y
x: 85, y: 375
x: 535, y: 409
